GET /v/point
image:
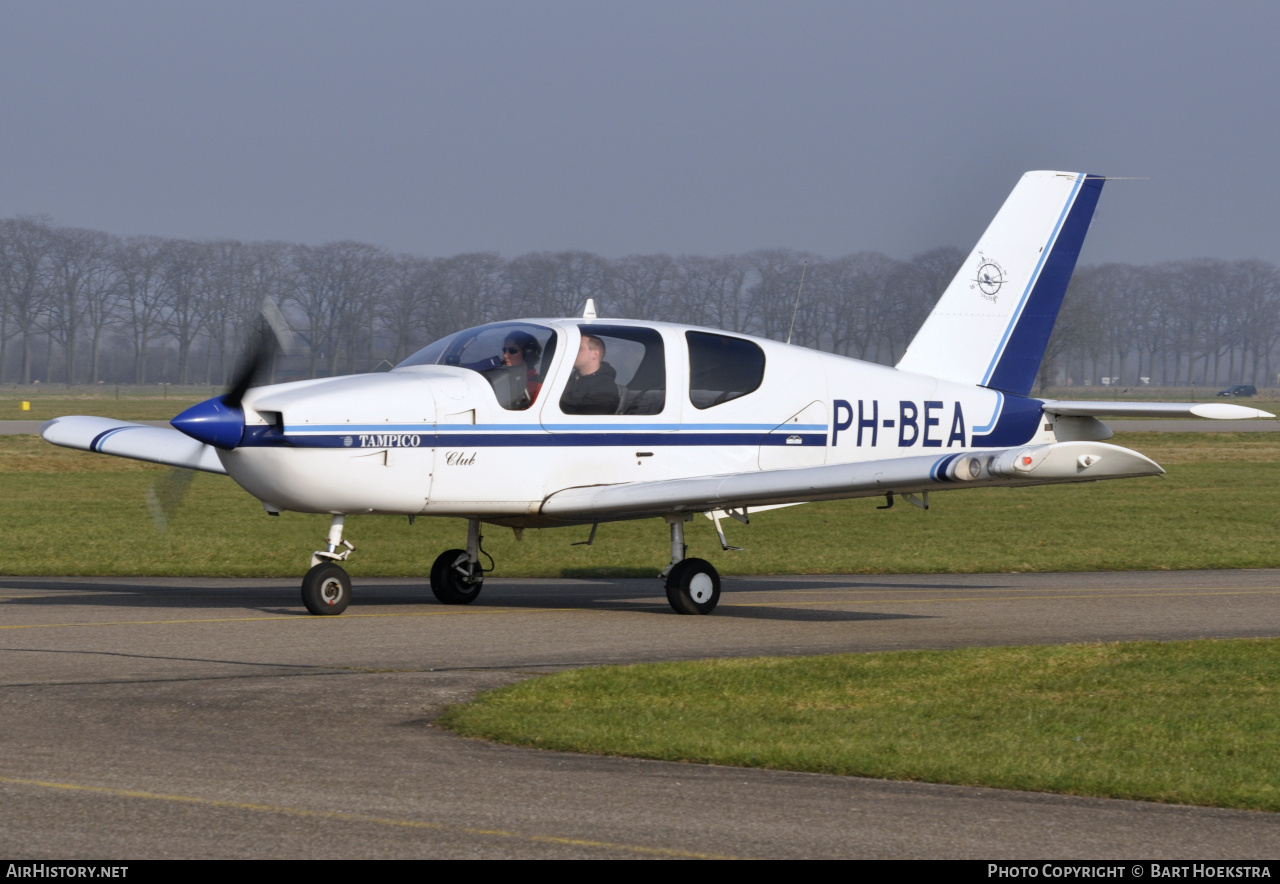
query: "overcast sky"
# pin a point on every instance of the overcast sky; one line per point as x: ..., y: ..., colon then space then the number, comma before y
x: 631, y: 128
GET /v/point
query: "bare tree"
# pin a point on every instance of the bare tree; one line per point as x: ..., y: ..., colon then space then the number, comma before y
x: 336, y: 287
x: 24, y: 278
x: 136, y: 262
x: 712, y: 291
x: 81, y: 285
x: 239, y: 278
x: 556, y: 283
x: 640, y: 287
x: 860, y: 315
x: 476, y: 288
x: 184, y: 268
x: 411, y: 284
x: 772, y: 293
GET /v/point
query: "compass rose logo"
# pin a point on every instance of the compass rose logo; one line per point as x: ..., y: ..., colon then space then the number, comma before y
x: 989, y: 278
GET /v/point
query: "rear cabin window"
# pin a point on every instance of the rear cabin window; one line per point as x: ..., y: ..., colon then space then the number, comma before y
x: 625, y: 372
x: 722, y: 368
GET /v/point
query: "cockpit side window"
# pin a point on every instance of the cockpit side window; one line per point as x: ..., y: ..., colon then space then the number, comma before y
x: 619, y: 369
x: 512, y: 356
x: 722, y: 368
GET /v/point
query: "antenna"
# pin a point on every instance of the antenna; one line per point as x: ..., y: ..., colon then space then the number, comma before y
x: 796, y: 308
x: 589, y: 312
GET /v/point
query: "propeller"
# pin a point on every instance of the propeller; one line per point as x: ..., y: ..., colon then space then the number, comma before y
x: 220, y: 421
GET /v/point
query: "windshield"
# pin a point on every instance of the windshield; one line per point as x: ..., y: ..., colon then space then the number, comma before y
x: 512, y: 356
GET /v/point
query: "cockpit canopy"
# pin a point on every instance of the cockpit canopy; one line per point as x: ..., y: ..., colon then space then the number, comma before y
x: 512, y: 356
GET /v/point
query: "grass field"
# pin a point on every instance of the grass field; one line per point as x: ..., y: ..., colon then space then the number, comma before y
x: 1184, y: 722
x: 68, y: 512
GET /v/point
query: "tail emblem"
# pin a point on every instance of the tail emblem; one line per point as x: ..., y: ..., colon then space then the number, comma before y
x: 990, y: 278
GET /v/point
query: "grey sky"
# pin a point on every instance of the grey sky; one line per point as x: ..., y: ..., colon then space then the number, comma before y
x: 625, y: 128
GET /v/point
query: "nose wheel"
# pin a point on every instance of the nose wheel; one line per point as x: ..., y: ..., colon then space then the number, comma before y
x: 326, y: 589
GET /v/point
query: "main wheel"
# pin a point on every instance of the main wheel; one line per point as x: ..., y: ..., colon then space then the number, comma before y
x: 693, y: 587
x: 454, y: 580
x: 326, y: 589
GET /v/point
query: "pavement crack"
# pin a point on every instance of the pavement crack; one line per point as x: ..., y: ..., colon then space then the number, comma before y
x: 162, y: 657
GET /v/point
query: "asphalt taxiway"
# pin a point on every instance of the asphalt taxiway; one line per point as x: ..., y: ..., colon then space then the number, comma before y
x: 214, y: 718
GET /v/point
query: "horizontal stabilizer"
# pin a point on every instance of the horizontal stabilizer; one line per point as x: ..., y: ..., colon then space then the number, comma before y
x: 137, y: 441
x: 1221, y: 411
x: 1059, y: 462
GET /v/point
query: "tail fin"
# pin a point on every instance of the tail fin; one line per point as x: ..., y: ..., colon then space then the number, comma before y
x: 993, y: 322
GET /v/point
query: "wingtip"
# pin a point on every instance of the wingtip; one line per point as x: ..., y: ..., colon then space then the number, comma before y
x: 1229, y: 411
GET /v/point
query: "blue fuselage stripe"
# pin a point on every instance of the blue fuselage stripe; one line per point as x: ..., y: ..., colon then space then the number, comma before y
x: 539, y: 440
x: 297, y: 429
x: 995, y: 415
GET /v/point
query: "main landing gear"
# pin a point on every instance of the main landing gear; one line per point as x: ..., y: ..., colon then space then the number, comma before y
x: 326, y: 589
x: 456, y: 576
x: 693, y: 585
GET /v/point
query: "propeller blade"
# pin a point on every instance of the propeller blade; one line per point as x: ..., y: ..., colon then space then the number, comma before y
x: 257, y: 356
x: 165, y: 496
x: 271, y: 331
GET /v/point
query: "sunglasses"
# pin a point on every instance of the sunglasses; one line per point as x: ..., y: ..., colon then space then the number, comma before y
x: 512, y: 350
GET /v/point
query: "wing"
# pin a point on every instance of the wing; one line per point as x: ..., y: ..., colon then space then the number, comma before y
x: 138, y: 441
x: 1223, y: 411
x: 1056, y: 463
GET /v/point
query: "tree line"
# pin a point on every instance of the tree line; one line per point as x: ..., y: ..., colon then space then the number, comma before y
x: 81, y: 306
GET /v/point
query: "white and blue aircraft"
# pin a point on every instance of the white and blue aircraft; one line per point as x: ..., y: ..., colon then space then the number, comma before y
x: 555, y: 422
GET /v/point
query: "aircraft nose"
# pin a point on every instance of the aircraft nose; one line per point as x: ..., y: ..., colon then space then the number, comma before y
x: 212, y: 422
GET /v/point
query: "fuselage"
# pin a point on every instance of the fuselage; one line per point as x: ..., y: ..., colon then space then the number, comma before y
x: 444, y: 439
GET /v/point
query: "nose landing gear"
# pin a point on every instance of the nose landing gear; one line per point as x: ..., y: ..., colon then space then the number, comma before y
x: 326, y: 588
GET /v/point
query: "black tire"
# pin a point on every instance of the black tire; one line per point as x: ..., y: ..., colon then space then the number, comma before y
x: 326, y: 590
x: 451, y: 585
x: 693, y: 587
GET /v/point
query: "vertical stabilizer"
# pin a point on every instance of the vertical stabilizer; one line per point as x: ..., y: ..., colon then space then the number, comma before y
x: 993, y: 322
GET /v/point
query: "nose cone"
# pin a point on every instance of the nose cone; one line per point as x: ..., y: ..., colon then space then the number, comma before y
x: 212, y: 422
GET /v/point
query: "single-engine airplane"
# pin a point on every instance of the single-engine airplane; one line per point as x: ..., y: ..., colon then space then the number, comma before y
x: 555, y: 422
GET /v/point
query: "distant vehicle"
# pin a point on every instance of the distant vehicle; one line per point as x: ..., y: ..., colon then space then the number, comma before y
x: 1237, y: 391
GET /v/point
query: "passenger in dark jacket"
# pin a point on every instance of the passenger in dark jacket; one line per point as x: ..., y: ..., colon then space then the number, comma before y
x: 593, y: 385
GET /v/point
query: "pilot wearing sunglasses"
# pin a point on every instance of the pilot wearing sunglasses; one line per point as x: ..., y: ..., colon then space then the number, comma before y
x: 522, y: 348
